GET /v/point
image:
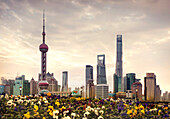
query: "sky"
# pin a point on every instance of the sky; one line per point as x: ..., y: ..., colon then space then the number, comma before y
x: 79, y: 30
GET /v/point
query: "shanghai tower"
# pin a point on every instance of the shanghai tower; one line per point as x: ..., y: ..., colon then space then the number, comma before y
x: 119, y: 62
x: 43, y: 84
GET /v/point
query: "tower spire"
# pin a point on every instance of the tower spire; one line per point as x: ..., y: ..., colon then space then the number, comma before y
x: 43, y: 33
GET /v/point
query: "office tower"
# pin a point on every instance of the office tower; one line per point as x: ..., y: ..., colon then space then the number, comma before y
x: 102, y: 91
x: 90, y: 89
x: 89, y: 75
x: 33, y: 87
x: 11, y: 83
x: 129, y: 80
x: 119, y: 68
x: 150, y: 86
x: 136, y: 88
x: 65, y: 81
x: 53, y: 83
x: 166, y: 96
x: 117, y: 83
x: 101, y: 70
x: 43, y: 84
x: 24, y: 84
x: 158, y: 93
x: 2, y: 87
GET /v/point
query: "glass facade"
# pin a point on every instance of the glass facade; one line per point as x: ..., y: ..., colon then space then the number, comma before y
x: 117, y: 84
x: 130, y: 79
x: 65, y: 81
x: 101, y: 70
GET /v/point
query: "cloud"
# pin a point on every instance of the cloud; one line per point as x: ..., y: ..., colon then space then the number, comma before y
x: 78, y: 30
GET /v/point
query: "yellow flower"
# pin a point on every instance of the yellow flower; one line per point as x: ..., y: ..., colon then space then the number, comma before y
x: 165, y: 108
x: 27, y: 115
x: 143, y: 111
x: 136, y: 107
x: 135, y: 111
x: 43, y: 118
x: 49, y: 94
x: 51, y: 113
x: 141, y: 107
x: 36, y: 114
x: 57, y: 103
x: 51, y: 107
x: 63, y: 107
x: 125, y: 105
x: 129, y: 112
x: 35, y: 107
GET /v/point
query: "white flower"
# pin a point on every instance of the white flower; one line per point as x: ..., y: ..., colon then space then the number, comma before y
x: 86, y: 114
x: 9, y: 103
x: 101, y: 111
x: 73, y: 114
x: 67, y: 117
x: 1, y: 96
x: 55, y: 114
x: 14, y: 104
x: 46, y: 101
x: 65, y: 112
x: 84, y: 118
x: 100, y: 117
x: 96, y: 112
x: 6, y: 96
x: 103, y: 107
x: 153, y: 109
x: 20, y: 101
x: 39, y: 102
x: 32, y: 103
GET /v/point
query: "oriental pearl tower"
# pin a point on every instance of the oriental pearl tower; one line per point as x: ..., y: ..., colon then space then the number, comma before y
x: 43, y: 84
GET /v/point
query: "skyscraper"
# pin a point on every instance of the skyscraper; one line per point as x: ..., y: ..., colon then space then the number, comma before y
x: 89, y: 76
x: 33, y: 87
x: 101, y: 70
x: 129, y: 80
x: 43, y: 84
x: 150, y: 87
x: 65, y: 81
x: 89, y: 72
x: 119, y: 69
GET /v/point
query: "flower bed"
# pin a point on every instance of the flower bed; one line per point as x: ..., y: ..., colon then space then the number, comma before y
x: 48, y: 107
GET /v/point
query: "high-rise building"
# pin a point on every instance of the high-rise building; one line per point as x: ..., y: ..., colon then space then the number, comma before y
x: 119, y: 67
x: 158, y: 94
x: 129, y: 80
x: 89, y: 75
x: 65, y: 81
x: 150, y: 87
x: 102, y: 91
x: 53, y: 83
x: 136, y: 88
x: 101, y: 70
x: 43, y: 84
x: 24, y: 84
x: 90, y: 89
x: 11, y: 83
x: 33, y: 87
x: 89, y: 72
x: 117, y: 83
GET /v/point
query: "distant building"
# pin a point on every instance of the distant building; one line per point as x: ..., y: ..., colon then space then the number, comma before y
x: 65, y: 81
x: 158, y: 94
x: 53, y: 83
x: 59, y: 88
x: 136, y: 88
x: 119, y: 67
x: 21, y: 82
x: 89, y: 75
x: 7, y: 89
x: 129, y: 79
x: 11, y: 83
x: 2, y: 87
x: 33, y: 87
x: 166, y: 96
x: 90, y: 89
x: 102, y: 91
x: 101, y: 70
x: 117, y: 83
x: 150, y: 87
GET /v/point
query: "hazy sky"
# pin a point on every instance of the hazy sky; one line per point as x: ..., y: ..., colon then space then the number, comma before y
x: 79, y: 30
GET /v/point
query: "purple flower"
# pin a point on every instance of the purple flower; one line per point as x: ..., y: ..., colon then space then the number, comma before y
x: 166, y: 115
x: 15, y: 109
x: 124, y: 115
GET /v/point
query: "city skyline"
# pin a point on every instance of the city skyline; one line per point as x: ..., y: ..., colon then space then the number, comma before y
x: 78, y: 34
